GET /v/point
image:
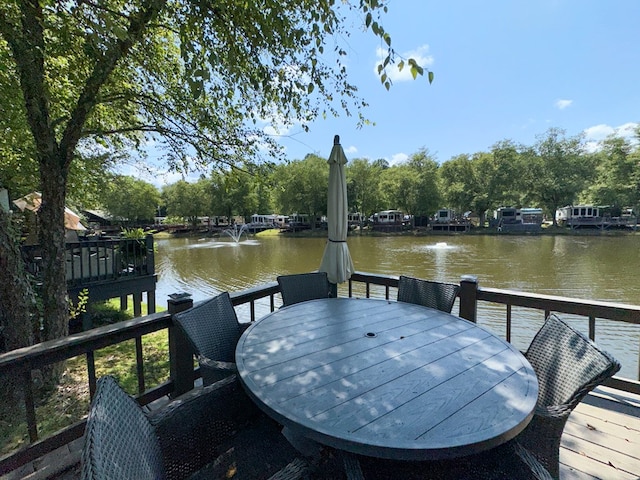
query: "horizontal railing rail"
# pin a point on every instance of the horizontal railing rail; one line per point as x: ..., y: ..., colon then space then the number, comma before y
x: 20, y: 363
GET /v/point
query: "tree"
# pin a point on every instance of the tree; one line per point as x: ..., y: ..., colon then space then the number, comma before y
x: 363, y: 191
x: 400, y: 188
x: 507, y: 180
x: 412, y: 186
x: 455, y: 178
x: 188, y: 200
x: 486, y: 180
x: 187, y: 74
x: 18, y: 292
x: 616, y: 175
x: 130, y: 200
x: 558, y: 171
x: 303, y: 184
x: 425, y: 167
x: 468, y: 183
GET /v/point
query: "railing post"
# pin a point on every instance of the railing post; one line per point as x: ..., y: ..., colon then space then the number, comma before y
x: 180, y: 351
x: 468, y: 300
x: 151, y: 262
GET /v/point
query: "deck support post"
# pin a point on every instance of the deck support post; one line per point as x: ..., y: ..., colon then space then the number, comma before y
x: 180, y: 350
x: 468, y: 300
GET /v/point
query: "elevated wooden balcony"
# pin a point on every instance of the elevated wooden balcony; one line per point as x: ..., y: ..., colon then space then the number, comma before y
x: 106, y: 268
x: 602, y: 439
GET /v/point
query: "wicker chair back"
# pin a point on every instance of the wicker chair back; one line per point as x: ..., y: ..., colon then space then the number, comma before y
x: 304, y: 286
x: 437, y: 295
x: 119, y: 440
x: 568, y: 366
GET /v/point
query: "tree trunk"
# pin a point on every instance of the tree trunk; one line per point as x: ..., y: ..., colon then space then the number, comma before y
x: 51, y: 217
x: 17, y: 300
x: 53, y: 180
x: 17, y: 305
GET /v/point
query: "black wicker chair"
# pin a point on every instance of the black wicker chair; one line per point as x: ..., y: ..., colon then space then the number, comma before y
x: 303, y: 286
x: 209, y: 433
x: 427, y: 293
x: 213, y: 330
x: 568, y: 366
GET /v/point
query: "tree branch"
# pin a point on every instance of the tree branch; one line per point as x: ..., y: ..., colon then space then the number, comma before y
x: 27, y: 46
x: 101, y: 72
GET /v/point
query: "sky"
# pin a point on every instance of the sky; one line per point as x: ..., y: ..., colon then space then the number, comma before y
x: 504, y: 70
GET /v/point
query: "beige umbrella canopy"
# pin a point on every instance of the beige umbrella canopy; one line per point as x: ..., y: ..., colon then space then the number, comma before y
x: 33, y: 201
x: 336, y: 260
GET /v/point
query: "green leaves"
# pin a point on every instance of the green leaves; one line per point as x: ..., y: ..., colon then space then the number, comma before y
x: 415, y: 68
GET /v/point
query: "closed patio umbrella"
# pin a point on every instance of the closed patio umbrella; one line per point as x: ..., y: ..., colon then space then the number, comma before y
x: 336, y: 260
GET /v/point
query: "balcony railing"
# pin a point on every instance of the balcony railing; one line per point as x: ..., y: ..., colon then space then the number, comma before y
x: 251, y: 304
x: 99, y: 260
x: 106, y: 268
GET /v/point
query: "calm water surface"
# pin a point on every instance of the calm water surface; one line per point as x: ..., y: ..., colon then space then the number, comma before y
x: 601, y: 268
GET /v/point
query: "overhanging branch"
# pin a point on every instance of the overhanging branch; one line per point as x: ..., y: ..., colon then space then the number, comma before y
x: 102, y: 70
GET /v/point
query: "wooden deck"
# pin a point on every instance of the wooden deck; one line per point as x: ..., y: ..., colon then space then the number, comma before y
x: 602, y: 438
x: 601, y: 441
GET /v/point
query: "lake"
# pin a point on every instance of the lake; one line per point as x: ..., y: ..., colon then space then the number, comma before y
x: 588, y: 267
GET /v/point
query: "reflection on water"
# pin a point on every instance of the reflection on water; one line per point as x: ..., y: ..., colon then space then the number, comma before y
x: 601, y: 268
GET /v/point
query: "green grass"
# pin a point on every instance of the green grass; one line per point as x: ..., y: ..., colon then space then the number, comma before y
x: 272, y: 232
x: 69, y: 401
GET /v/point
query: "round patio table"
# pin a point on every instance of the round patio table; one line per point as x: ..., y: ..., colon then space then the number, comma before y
x: 386, y: 379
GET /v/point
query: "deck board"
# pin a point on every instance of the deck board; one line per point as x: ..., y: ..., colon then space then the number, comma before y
x: 602, y: 438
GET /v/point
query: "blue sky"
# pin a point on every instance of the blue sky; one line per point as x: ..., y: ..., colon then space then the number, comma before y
x: 504, y: 69
x: 507, y: 69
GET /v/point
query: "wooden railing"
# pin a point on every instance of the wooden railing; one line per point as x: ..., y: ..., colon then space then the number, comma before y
x: 99, y: 259
x: 20, y: 363
x: 105, y: 268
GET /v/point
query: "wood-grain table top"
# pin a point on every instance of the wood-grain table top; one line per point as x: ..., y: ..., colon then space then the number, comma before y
x: 387, y: 379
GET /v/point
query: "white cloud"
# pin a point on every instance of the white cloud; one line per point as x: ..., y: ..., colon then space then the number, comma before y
x: 420, y: 55
x: 351, y: 150
x: 627, y: 130
x: 277, y: 130
x: 398, y: 158
x: 596, y: 134
x: 562, y: 104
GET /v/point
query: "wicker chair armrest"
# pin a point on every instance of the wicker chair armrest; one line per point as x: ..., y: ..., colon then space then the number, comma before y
x: 244, y: 326
x: 192, y: 426
x: 553, y: 411
x: 216, y: 364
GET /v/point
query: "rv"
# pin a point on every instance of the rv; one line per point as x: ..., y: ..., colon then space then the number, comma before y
x: 444, y: 215
x: 388, y: 216
x: 270, y: 220
x: 511, y: 219
x: 577, y: 214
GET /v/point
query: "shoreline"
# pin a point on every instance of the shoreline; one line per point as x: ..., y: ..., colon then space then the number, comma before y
x: 417, y: 232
